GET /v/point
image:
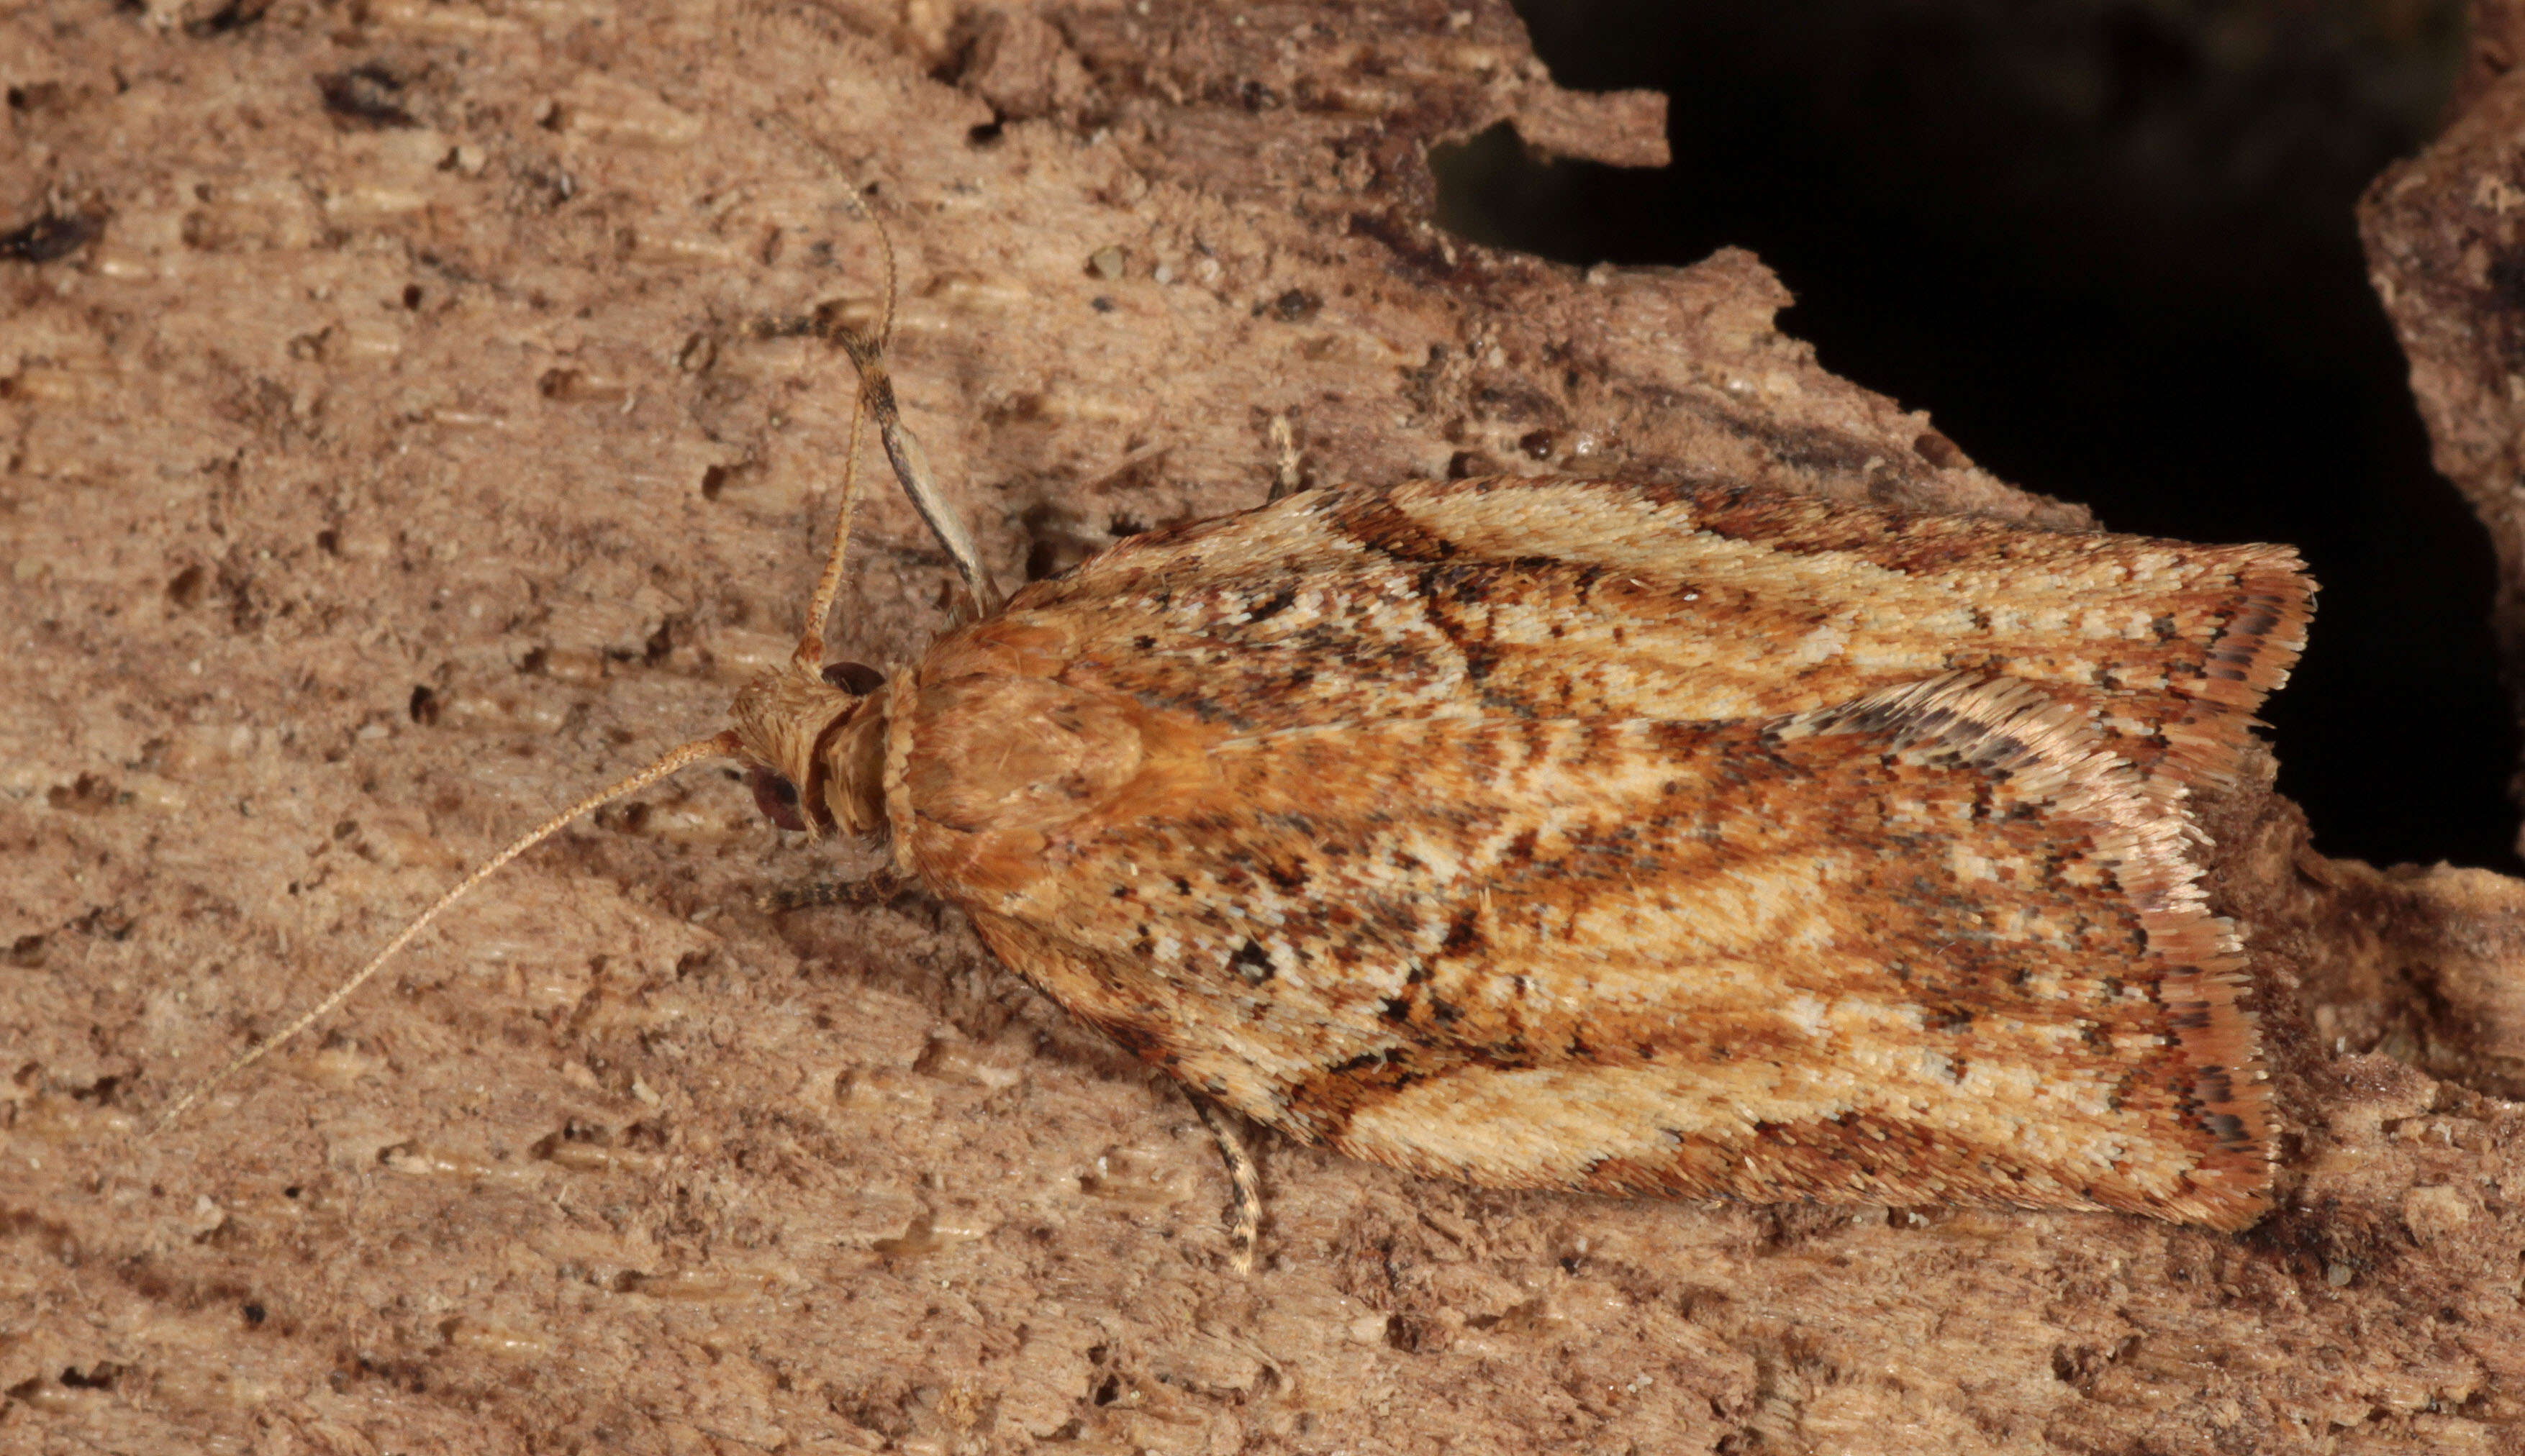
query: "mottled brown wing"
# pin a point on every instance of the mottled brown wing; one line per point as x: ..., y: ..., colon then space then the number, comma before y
x: 1492, y: 865
x: 1570, y: 599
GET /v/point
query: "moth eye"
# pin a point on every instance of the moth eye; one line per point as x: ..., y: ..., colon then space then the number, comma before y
x: 856, y: 678
x: 777, y: 797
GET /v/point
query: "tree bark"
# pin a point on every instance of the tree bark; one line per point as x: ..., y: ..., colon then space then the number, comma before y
x: 413, y: 424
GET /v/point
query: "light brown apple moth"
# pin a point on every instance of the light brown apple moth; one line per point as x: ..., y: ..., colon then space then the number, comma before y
x: 1650, y: 840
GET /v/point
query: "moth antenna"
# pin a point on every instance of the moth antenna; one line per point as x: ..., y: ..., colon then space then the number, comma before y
x: 718, y: 746
x: 818, y: 610
x: 829, y: 586
x: 902, y: 447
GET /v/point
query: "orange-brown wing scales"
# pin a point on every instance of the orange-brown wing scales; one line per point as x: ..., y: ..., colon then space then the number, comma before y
x: 1733, y: 885
x: 1801, y: 958
x: 1584, y: 599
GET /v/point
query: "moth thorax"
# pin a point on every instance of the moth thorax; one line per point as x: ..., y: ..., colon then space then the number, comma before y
x: 790, y: 723
x: 854, y: 768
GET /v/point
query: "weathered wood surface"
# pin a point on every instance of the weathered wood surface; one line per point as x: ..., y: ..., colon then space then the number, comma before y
x: 406, y: 431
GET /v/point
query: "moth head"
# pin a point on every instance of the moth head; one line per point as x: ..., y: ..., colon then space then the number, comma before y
x: 809, y: 738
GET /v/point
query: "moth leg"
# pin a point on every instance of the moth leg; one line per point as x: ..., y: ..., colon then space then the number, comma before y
x: 1291, y: 476
x: 879, y: 889
x: 910, y: 464
x: 1244, y: 1180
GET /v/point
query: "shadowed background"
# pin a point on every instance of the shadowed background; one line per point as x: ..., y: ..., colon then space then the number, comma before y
x: 2110, y: 247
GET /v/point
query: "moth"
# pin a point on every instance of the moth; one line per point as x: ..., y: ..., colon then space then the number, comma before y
x: 1658, y: 840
